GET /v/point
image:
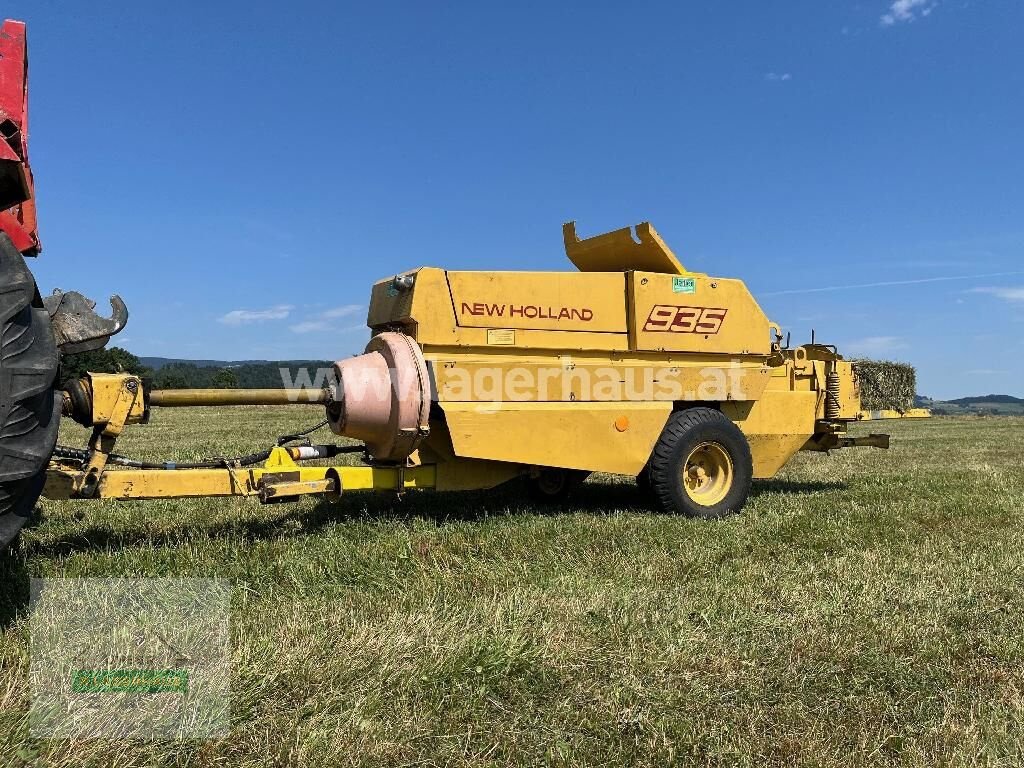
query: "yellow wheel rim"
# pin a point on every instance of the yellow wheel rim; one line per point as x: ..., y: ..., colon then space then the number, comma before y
x: 708, y: 474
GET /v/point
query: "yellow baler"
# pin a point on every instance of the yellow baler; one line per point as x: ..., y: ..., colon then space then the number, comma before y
x: 630, y: 365
x: 561, y: 373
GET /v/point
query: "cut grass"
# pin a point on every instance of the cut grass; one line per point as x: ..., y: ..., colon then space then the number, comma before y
x: 865, y: 608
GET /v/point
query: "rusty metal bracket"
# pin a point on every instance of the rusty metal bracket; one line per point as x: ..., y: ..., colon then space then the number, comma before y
x: 77, y: 327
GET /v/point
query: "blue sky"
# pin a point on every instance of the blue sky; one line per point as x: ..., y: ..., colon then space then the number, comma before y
x: 240, y: 172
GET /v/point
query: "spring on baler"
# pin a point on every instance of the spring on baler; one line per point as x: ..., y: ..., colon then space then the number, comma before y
x: 832, y: 384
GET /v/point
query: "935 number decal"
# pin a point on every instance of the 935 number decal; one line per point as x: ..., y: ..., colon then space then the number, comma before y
x: 669, y: 318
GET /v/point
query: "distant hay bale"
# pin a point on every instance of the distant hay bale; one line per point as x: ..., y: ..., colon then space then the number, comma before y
x: 885, y: 385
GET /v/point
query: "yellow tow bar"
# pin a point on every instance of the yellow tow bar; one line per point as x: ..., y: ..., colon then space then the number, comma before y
x: 280, y: 478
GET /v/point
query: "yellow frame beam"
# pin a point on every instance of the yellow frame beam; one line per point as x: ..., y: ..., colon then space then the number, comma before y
x: 270, y: 482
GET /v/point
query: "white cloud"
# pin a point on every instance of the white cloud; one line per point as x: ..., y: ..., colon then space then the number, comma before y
x: 324, y: 321
x: 343, y: 311
x: 319, y: 321
x: 244, y: 316
x: 872, y: 346
x: 776, y: 77
x: 1006, y: 294
x: 310, y: 326
x: 320, y: 326
x: 906, y: 10
x: 892, y: 283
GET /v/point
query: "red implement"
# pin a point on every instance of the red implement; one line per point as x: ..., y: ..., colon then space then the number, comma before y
x: 17, y: 193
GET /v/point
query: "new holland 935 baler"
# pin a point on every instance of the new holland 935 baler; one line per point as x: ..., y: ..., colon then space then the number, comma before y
x: 631, y: 365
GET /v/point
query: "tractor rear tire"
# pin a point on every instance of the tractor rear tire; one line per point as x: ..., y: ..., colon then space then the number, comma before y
x: 29, y: 406
x: 701, y: 465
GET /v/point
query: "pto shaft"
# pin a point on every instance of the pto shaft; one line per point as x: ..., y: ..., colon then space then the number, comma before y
x: 182, y: 398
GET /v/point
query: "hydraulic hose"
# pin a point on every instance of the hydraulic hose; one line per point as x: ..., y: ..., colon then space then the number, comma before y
x: 305, y: 452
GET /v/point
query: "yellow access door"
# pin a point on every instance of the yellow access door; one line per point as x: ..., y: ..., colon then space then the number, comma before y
x: 542, y: 301
x: 695, y: 313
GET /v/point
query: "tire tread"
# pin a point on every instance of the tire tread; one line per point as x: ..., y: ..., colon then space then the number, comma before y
x: 29, y: 407
x: 663, y: 466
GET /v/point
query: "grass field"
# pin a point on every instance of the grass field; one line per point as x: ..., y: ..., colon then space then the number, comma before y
x: 866, y: 608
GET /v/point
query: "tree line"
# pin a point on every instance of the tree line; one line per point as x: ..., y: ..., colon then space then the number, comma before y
x: 186, y: 375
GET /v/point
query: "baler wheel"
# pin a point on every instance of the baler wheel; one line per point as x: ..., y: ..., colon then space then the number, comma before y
x: 643, y: 483
x: 553, y: 485
x: 701, y: 465
x: 29, y: 407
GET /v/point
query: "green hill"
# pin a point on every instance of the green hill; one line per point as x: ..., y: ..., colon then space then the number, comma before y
x: 990, y: 405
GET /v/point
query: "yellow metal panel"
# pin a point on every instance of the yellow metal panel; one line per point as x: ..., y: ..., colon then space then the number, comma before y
x: 426, y: 308
x: 586, y: 436
x: 473, y: 474
x: 390, y: 306
x: 428, y: 313
x: 696, y: 313
x: 776, y: 426
x: 461, y: 474
x: 556, y: 301
x: 561, y: 341
x: 473, y: 376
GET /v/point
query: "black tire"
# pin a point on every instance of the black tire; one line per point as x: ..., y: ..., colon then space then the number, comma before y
x: 553, y: 485
x: 29, y: 406
x: 689, y: 437
x: 643, y: 483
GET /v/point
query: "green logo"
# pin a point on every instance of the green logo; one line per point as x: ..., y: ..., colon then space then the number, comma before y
x: 684, y: 285
x: 130, y: 681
